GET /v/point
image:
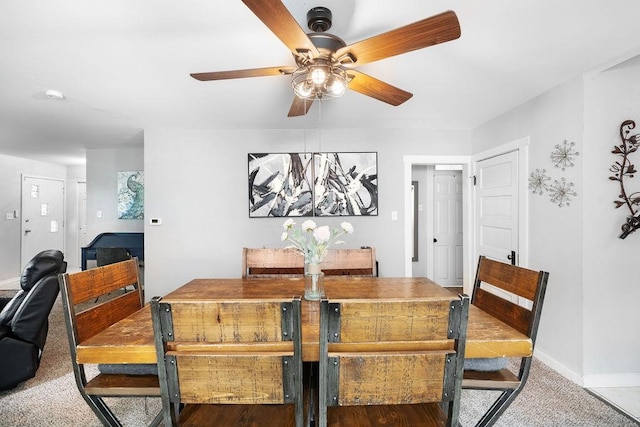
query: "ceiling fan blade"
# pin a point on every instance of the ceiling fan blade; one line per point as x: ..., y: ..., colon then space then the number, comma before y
x: 238, y: 74
x: 299, y: 107
x: 279, y: 20
x: 367, y: 85
x: 428, y: 32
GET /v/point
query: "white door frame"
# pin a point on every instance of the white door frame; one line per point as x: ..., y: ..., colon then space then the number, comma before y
x: 468, y: 210
x: 465, y: 161
x: 522, y: 147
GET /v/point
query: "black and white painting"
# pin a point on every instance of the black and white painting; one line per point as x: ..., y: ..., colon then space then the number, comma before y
x: 280, y: 185
x: 346, y: 184
x: 318, y: 184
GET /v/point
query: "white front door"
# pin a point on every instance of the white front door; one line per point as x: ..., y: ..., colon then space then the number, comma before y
x: 496, y: 207
x: 42, y: 224
x: 447, y: 232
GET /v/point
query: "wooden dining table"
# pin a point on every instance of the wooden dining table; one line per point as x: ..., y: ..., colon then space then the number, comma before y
x: 131, y: 339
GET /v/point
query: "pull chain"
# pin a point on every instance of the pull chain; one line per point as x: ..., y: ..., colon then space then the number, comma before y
x: 305, y: 129
x: 320, y: 127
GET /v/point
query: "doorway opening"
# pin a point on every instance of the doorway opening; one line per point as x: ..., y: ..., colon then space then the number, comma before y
x: 437, y: 223
x: 469, y: 229
x: 416, y: 166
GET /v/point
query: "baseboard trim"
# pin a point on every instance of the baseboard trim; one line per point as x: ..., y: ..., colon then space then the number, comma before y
x: 630, y: 379
x: 559, y: 367
x: 12, y: 284
x: 612, y: 380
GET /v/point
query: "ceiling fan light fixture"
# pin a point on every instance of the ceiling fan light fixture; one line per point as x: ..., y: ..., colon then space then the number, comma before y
x: 319, y: 81
x: 304, y: 90
x: 338, y: 87
x: 318, y: 75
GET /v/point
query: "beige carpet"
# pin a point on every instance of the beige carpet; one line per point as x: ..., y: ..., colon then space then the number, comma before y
x: 52, y: 399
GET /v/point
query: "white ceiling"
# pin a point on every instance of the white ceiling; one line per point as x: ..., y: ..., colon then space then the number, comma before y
x: 124, y: 65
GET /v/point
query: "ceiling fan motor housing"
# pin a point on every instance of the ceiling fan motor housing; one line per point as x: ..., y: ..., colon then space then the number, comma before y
x: 319, y: 19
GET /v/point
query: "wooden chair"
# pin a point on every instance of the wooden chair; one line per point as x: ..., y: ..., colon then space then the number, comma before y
x: 230, y: 363
x: 356, y: 262
x: 514, y: 281
x: 391, y: 362
x: 270, y: 262
x: 84, y: 319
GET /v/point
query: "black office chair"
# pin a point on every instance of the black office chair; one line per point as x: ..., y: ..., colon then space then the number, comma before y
x: 24, y: 320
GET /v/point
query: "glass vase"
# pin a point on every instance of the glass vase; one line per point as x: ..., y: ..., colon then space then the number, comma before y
x: 313, y: 282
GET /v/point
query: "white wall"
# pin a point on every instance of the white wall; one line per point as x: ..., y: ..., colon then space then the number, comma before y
x: 11, y: 170
x: 591, y: 274
x: 555, y: 233
x: 611, y: 285
x: 197, y: 183
x: 420, y: 173
x: 75, y: 174
x: 103, y: 166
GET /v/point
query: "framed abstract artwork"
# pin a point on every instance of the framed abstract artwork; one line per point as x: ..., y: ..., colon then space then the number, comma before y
x: 280, y: 185
x: 346, y: 184
x: 313, y: 184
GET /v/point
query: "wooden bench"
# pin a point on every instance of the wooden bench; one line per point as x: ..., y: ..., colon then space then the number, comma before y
x: 283, y: 262
x: 350, y: 262
x: 506, y: 282
x: 391, y: 360
x: 93, y: 301
x: 230, y: 362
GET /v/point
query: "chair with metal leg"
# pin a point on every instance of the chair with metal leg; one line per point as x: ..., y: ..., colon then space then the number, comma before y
x: 497, y: 289
x: 226, y: 363
x: 391, y: 362
x: 85, y: 318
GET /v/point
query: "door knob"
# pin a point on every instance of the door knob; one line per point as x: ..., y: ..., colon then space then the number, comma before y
x: 27, y: 231
x: 435, y: 240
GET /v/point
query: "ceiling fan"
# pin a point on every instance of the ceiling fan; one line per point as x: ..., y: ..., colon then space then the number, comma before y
x: 324, y: 62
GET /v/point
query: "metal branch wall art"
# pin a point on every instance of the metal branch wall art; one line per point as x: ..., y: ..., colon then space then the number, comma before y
x: 560, y: 191
x: 622, y: 170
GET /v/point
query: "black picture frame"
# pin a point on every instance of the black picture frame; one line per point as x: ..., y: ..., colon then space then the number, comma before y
x: 313, y: 184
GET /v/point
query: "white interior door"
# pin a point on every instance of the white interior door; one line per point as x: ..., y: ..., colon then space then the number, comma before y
x: 496, y: 207
x: 42, y: 224
x: 447, y: 232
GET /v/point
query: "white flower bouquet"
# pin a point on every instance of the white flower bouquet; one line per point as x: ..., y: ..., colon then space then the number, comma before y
x: 313, y: 241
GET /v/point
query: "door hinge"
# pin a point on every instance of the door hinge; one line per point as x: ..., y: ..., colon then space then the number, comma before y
x: 474, y: 180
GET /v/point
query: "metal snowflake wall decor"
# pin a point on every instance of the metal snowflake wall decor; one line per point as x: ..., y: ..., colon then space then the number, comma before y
x: 563, y: 156
x: 538, y: 181
x: 561, y: 192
